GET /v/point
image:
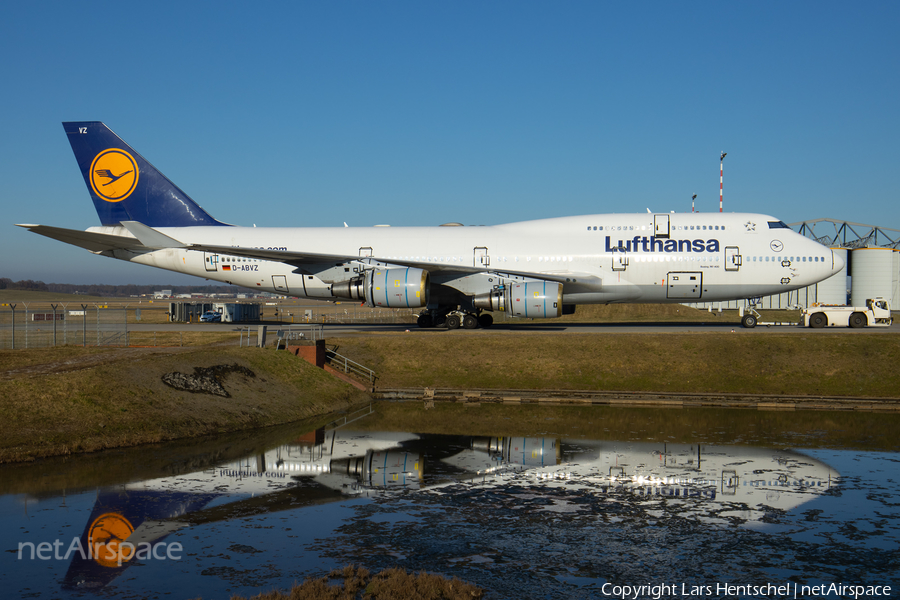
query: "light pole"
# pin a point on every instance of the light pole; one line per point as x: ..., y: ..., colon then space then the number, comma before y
x: 721, y: 173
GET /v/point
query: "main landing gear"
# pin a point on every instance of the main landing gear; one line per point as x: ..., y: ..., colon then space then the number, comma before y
x: 454, y: 319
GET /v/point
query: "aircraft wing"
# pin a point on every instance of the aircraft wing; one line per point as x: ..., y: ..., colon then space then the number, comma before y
x: 151, y: 238
x: 297, y: 259
x: 95, y: 242
x: 308, y: 259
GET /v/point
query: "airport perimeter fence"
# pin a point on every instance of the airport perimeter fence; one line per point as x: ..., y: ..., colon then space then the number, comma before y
x: 358, y: 315
x: 345, y: 316
x: 64, y: 324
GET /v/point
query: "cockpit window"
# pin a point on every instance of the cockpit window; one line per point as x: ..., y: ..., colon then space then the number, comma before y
x: 778, y: 225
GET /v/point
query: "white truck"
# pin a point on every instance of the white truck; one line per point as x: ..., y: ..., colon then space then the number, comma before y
x: 876, y: 313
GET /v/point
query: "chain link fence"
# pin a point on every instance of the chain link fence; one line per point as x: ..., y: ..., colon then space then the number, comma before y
x: 42, y: 326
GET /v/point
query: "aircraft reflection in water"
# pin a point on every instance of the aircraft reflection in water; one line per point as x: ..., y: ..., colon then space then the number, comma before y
x: 327, y: 466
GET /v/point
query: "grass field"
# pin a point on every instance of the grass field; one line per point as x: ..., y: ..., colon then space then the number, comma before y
x: 830, y: 365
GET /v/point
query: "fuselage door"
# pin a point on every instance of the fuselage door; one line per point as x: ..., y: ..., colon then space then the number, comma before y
x: 732, y: 258
x: 279, y: 282
x: 661, y: 226
x: 482, y: 258
x: 364, y: 252
x: 684, y: 285
x: 211, y: 261
x: 619, y: 259
x: 730, y: 482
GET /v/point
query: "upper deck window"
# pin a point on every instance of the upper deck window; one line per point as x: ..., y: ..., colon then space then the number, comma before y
x: 778, y: 225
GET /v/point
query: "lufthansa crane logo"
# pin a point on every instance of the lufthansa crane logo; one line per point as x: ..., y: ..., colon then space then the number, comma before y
x: 114, y: 175
x: 106, y: 535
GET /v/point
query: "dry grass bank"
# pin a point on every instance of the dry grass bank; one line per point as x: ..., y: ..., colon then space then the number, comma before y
x: 824, y: 364
x: 66, y: 400
x: 391, y: 584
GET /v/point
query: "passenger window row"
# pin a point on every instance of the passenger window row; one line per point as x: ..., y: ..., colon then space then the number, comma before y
x: 650, y: 228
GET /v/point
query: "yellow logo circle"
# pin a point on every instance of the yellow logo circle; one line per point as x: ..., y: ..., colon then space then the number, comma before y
x: 114, y: 175
x: 106, y: 535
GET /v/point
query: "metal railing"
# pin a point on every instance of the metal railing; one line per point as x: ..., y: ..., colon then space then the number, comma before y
x: 349, y: 418
x: 283, y: 334
x: 345, y: 365
x: 311, y: 332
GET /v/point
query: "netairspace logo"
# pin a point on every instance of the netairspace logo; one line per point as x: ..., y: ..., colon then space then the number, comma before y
x: 104, y: 554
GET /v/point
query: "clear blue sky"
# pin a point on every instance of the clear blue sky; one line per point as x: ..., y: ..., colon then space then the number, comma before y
x: 419, y: 113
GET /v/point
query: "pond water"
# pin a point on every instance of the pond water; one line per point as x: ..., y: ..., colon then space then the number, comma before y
x: 525, y: 501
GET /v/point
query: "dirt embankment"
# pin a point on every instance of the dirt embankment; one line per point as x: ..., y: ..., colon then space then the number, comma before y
x: 66, y: 400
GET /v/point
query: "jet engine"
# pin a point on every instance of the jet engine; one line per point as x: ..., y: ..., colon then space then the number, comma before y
x: 532, y: 299
x: 392, y: 468
x: 387, y: 288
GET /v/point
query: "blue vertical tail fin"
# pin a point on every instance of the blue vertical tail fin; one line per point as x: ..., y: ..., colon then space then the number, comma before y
x: 124, y: 185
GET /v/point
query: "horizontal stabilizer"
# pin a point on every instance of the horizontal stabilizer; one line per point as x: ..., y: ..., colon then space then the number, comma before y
x: 89, y: 240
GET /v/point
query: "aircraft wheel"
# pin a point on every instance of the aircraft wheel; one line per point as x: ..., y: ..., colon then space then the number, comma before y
x: 425, y: 321
x: 485, y: 320
x: 818, y: 321
x: 470, y: 322
x: 858, y: 320
x: 748, y: 321
x: 453, y: 322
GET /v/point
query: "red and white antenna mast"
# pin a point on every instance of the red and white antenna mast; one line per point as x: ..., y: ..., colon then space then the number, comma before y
x: 721, y: 173
x: 694, y: 197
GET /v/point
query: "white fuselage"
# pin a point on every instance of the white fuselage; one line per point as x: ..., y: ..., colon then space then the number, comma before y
x: 644, y: 258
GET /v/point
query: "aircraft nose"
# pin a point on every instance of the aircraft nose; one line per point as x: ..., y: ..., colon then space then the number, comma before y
x: 837, y: 261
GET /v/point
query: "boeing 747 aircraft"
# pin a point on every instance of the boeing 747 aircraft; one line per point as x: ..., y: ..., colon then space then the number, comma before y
x: 457, y: 275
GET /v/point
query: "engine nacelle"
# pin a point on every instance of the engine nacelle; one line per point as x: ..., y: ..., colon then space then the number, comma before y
x: 536, y: 299
x: 532, y: 299
x: 387, y: 288
x: 397, y: 288
x: 393, y: 468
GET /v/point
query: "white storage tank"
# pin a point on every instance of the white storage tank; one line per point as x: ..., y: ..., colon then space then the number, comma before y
x: 895, y: 299
x: 871, y: 271
x: 834, y: 289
